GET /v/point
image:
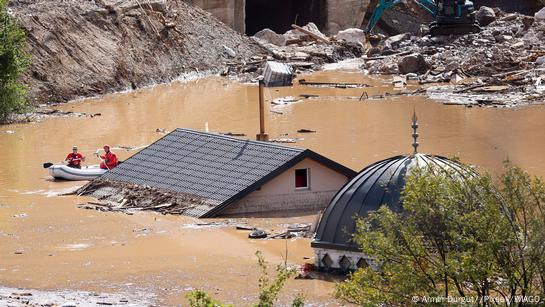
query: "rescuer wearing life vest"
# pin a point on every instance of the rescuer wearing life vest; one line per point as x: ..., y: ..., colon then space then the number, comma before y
x: 109, y: 160
x: 74, y: 158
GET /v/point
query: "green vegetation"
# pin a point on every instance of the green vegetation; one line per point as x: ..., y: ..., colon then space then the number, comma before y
x: 269, y: 289
x: 14, y: 60
x: 475, y: 239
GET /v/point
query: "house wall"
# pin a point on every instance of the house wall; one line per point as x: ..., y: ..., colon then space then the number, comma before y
x: 280, y: 193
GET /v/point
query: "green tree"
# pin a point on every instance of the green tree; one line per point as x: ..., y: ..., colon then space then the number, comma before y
x: 14, y: 60
x: 459, y: 235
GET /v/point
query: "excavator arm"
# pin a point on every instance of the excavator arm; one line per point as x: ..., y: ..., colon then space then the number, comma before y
x: 383, y: 5
x: 450, y: 16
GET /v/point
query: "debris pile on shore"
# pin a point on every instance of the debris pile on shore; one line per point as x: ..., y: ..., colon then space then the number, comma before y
x: 504, y: 64
x: 307, y: 48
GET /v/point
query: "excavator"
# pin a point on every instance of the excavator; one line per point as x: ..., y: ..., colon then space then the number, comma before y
x: 450, y: 17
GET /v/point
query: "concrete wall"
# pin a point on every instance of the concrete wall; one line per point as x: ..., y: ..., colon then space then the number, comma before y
x: 230, y: 12
x: 343, y: 14
x: 280, y: 193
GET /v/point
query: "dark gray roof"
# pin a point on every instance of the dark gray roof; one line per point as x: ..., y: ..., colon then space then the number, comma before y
x: 379, y: 184
x: 217, y: 168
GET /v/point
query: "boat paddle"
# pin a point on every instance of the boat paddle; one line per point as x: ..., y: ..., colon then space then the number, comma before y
x: 101, y: 160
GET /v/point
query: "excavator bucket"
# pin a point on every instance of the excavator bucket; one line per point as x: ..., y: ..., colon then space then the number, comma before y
x: 437, y: 29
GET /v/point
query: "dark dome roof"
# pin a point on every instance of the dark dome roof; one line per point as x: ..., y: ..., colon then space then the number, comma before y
x: 379, y: 183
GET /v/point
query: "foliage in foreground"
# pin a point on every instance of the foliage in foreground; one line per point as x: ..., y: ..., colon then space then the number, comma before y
x: 14, y: 60
x: 269, y: 289
x: 470, y: 238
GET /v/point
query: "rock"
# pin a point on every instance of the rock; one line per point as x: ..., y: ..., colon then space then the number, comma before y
x: 311, y: 27
x: 230, y: 51
x: 412, y: 64
x: 394, y: 41
x: 293, y: 35
x: 503, y: 38
x: 411, y: 76
x: 541, y: 60
x: 527, y: 22
x: 374, y: 51
x: 540, y: 15
x: 352, y: 35
x: 271, y: 37
x: 485, y: 15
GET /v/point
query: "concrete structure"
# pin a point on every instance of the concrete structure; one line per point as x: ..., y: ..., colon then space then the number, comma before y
x: 220, y: 175
x: 251, y: 16
x: 230, y: 12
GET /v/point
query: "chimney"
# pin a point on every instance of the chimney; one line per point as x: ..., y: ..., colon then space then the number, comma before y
x: 262, y: 136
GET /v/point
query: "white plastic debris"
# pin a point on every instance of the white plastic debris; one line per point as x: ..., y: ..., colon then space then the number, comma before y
x: 277, y: 74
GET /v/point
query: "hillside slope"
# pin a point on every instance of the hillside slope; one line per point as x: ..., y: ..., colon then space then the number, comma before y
x: 86, y: 48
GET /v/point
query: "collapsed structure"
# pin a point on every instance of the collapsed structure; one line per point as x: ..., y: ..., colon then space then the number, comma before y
x: 205, y: 175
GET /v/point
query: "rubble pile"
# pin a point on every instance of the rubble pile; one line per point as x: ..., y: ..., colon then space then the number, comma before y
x: 504, y: 64
x: 128, y: 198
x: 306, y: 48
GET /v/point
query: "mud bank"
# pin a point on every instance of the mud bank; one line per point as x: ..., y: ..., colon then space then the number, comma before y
x: 31, y: 297
x: 83, y: 49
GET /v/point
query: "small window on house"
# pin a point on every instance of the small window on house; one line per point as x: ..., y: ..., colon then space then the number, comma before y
x: 301, y: 178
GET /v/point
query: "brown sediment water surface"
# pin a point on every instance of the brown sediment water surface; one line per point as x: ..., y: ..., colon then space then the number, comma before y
x: 46, y: 242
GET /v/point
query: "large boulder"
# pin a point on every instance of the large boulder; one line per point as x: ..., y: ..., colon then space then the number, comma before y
x: 540, y: 15
x: 352, y: 35
x: 271, y: 37
x: 413, y: 63
x: 486, y: 15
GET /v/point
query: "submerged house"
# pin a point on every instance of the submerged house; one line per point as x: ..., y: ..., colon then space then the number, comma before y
x: 221, y: 175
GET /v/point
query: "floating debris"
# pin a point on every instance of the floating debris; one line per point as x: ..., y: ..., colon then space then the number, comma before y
x: 257, y: 234
x: 285, y: 100
x: 233, y: 134
x: 332, y: 84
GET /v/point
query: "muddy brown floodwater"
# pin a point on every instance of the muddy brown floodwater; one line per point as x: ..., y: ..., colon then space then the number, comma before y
x: 48, y: 243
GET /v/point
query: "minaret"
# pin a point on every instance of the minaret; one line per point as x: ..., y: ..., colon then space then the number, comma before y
x: 415, y: 133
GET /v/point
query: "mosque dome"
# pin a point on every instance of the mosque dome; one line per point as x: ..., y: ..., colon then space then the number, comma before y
x: 378, y: 184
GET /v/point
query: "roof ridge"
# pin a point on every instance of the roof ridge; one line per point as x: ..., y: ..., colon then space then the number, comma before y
x: 222, y: 136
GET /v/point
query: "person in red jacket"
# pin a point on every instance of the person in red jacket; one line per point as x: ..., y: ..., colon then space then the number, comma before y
x: 74, y: 158
x: 109, y: 160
